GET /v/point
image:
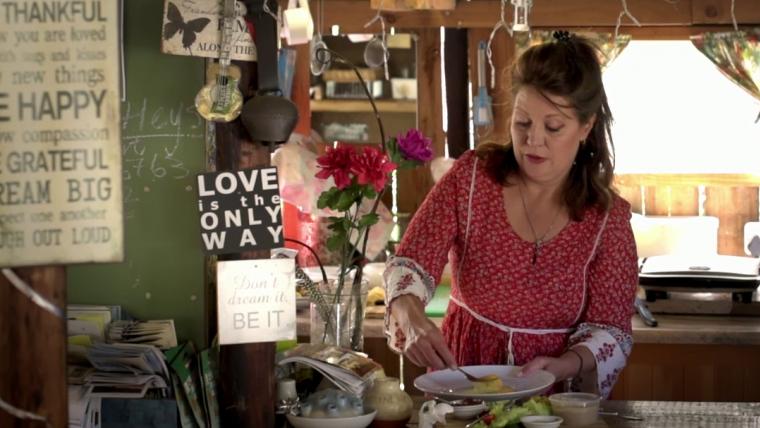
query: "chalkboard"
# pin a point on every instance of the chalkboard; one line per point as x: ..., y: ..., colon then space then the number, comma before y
x: 162, y: 275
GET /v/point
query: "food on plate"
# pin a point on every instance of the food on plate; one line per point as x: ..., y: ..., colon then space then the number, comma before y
x: 376, y: 296
x: 502, y: 414
x: 489, y: 384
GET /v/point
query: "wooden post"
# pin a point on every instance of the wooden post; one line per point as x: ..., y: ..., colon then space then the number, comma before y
x: 458, y: 133
x: 33, y: 349
x: 246, y: 371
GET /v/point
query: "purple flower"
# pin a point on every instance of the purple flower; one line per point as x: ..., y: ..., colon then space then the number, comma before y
x: 415, y: 146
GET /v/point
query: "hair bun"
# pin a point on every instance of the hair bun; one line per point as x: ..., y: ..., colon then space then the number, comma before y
x: 562, y: 36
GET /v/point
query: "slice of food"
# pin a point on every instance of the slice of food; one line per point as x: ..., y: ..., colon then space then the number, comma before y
x: 487, y: 385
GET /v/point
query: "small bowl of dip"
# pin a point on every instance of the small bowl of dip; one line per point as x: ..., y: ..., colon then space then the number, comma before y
x: 576, y: 408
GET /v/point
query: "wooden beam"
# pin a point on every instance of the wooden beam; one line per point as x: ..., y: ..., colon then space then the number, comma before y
x: 351, y: 15
x: 414, y: 184
x: 33, y: 349
x: 246, y: 371
x: 458, y: 132
x: 734, y: 206
x: 719, y: 11
x: 730, y: 180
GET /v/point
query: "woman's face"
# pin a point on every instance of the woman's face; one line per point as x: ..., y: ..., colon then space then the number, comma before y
x: 545, y: 136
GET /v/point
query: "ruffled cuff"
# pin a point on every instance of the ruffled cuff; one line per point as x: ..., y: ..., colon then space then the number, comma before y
x: 611, y: 348
x: 404, y: 276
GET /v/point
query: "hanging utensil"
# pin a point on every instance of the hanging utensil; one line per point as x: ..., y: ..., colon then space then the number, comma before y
x: 319, y: 56
x: 482, y: 110
x: 268, y: 117
x: 500, y: 25
x: 520, y: 20
x: 376, y: 52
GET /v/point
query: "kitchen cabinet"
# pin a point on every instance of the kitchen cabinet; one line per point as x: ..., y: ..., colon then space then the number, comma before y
x: 691, y: 372
x: 685, y: 358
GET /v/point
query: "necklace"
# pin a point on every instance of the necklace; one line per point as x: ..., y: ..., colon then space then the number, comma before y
x: 538, y: 242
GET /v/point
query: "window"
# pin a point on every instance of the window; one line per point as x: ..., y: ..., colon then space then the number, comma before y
x: 676, y: 113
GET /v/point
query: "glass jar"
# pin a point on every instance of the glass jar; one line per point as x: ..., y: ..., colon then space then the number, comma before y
x: 393, y: 405
x: 339, y: 320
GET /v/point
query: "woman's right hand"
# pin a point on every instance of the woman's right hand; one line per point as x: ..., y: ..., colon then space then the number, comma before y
x: 426, y: 346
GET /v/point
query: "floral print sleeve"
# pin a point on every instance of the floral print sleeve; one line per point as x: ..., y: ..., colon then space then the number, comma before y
x: 605, y: 327
x: 423, y: 251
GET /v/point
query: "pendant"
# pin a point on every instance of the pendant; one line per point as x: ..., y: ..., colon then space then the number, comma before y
x: 536, y: 249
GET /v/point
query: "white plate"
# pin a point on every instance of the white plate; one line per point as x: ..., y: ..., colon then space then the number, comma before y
x: 352, y: 422
x: 452, y: 385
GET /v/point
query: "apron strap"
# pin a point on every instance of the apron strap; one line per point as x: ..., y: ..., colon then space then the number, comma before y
x: 511, y: 331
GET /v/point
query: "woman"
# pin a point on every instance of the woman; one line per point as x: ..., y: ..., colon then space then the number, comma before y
x: 542, y: 253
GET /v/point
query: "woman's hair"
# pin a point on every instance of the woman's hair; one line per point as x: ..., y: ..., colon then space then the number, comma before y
x: 567, y: 67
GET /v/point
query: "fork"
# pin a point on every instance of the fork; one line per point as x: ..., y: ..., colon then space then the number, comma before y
x: 470, y: 377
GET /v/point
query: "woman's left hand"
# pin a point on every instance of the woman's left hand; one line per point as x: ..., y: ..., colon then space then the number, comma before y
x: 562, y: 368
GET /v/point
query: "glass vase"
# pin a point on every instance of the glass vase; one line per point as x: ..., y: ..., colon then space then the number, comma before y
x: 339, y: 319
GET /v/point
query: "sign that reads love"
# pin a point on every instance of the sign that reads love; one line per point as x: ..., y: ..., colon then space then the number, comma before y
x: 240, y: 210
x: 256, y: 300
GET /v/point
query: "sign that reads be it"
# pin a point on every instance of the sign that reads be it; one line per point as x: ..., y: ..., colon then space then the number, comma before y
x: 240, y: 210
x: 256, y: 300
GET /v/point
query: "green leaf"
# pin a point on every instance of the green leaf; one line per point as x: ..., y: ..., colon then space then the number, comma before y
x: 368, y: 220
x: 339, y: 224
x: 335, y: 242
x: 407, y: 164
x: 369, y: 192
x: 345, y: 200
x: 328, y: 198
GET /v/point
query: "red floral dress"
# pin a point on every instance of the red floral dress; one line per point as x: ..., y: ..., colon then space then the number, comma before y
x: 504, y: 308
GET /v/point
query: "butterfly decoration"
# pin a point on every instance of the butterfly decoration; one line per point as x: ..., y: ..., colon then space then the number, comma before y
x: 177, y: 24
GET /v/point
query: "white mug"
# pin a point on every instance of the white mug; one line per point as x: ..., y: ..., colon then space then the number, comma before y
x: 297, y: 23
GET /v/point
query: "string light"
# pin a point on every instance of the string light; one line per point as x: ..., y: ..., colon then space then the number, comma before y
x: 501, y: 25
x: 625, y: 12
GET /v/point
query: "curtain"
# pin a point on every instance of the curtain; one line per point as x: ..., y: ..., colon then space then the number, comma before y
x: 737, y: 56
x: 609, y: 46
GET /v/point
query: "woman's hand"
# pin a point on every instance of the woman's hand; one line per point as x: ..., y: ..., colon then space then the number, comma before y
x: 564, y: 367
x: 426, y: 346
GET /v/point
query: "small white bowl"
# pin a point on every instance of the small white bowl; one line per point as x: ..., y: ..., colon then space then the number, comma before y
x: 469, y: 411
x: 351, y: 422
x: 541, y: 421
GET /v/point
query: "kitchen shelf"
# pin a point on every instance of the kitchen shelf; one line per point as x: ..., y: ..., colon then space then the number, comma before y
x: 363, y: 106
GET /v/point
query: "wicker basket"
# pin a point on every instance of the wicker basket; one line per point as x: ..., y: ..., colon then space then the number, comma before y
x: 346, y: 76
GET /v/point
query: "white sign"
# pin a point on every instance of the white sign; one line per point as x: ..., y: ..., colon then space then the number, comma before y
x: 256, y: 300
x: 60, y: 140
x: 194, y: 28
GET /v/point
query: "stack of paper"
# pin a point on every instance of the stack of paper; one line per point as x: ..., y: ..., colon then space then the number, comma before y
x: 84, y: 410
x: 350, y: 371
x: 90, y: 320
x: 160, y: 333
x: 127, y: 370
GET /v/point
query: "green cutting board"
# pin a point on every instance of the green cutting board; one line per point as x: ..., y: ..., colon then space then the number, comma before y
x: 439, y: 303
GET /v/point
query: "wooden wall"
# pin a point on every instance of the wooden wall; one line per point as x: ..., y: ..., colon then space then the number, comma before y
x: 733, y: 199
x: 690, y: 373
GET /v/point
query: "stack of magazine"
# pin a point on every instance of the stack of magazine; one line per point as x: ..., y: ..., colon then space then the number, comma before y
x: 159, y: 333
x: 348, y: 370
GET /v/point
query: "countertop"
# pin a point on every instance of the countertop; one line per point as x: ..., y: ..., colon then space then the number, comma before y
x: 671, y: 329
x: 665, y: 414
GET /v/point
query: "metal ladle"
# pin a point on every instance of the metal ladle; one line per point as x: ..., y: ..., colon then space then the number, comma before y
x: 319, y: 54
x: 375, y: 53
